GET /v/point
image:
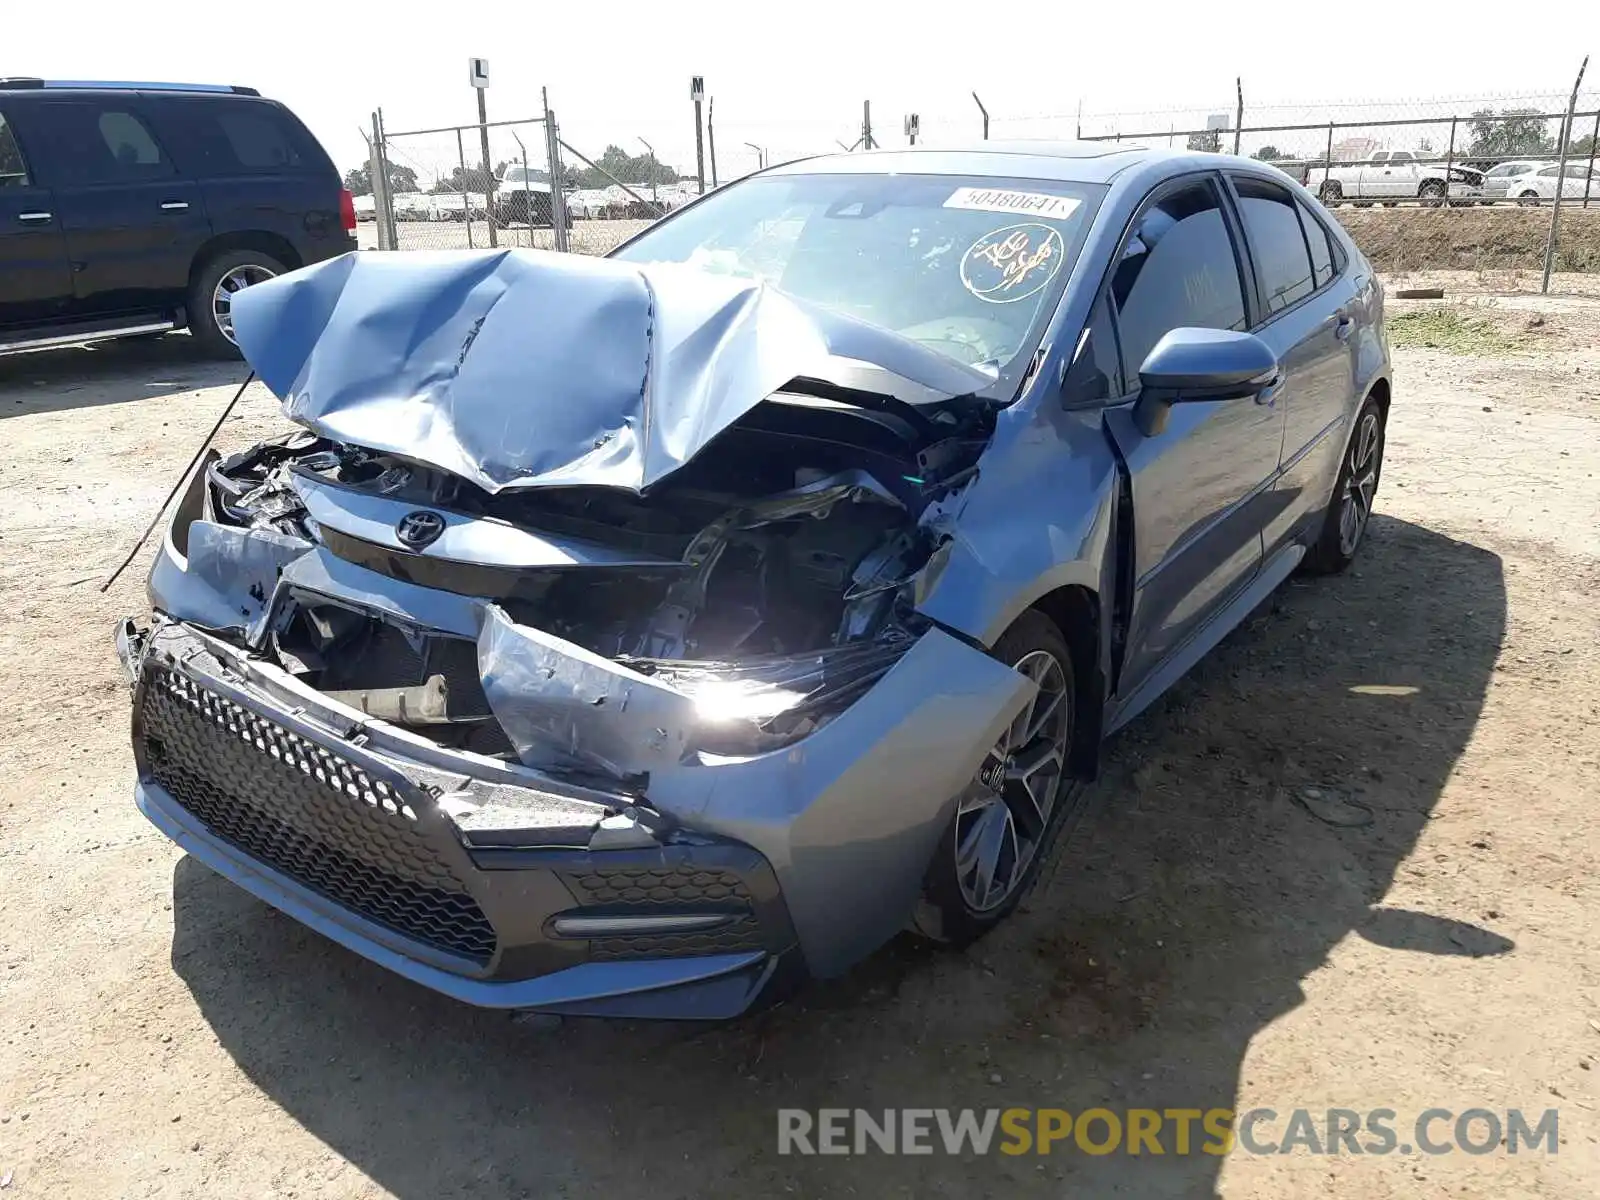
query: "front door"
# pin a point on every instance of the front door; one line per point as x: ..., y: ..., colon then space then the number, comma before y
x: 133, y: 224
x: 35, y: 283
x: 1202, y: 486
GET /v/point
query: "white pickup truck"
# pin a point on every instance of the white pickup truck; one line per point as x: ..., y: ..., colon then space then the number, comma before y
x: 1390, y: 176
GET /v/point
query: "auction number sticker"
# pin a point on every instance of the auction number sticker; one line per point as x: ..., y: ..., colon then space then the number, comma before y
x: 1023, y: 204
x: 1010, y: 264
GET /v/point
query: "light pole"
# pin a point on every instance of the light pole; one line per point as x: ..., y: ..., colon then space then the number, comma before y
x: 652, y: 150
x: 761, y: 156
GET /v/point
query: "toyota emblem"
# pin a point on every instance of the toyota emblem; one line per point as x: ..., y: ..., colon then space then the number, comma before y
x: 419, y: 529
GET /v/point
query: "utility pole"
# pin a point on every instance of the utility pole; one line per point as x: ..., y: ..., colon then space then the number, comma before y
x: 478, y: 74
x: 697, y: 93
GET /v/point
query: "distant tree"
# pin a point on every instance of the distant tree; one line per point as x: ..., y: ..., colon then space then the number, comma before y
x: 1424, y: 146
x: 1268, y: 154
x: 1209, y: 140
x: 1581, y: 147
x: 401, y: 179
x: 634, y: 169
x: 1510, y: 131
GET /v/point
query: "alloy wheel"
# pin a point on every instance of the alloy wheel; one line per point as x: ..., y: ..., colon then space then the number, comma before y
x: 1003, y: 815
x: 1361, y: 482
x: 233, y: 281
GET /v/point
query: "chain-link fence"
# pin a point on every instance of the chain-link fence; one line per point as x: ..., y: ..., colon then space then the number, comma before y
x: 1505, y: 187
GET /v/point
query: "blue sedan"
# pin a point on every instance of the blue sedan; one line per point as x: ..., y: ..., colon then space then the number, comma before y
x: 645, y: 635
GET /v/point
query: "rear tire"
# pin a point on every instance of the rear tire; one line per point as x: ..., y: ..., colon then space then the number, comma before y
x: 1432, y: 194
x: 210, y: 310
x: 992, y: 850
x: 1331, y: 192
x: 1349, y: 511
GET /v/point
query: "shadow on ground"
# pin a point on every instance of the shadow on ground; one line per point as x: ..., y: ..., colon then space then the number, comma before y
x: 108, y: 373
x: 1177, y: 922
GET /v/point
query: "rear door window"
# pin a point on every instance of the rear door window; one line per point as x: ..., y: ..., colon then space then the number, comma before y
x: 1178, y: 268
x: 1322, y: 253
x: 1277, y: 243
x: 230, y: 136
x: 13, y: 170
x: 103, y: 143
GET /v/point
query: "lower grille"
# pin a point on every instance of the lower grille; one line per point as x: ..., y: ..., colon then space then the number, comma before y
x: 743, y: 933
x: 308, y: 813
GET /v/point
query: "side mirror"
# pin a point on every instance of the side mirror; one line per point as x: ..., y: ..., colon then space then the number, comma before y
x: 1192, y: 364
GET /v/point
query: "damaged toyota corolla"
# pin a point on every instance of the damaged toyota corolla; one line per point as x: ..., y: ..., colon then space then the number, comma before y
x: 642, y: 636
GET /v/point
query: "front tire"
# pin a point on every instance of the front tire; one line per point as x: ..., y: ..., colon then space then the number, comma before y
x: 1344, y: 525
x: 210, y: 296
x: 1006, y: 818
x: 1433, y: 194
x: 1331, y: 192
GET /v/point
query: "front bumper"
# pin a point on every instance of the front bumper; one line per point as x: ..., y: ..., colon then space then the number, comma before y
x: 387, y: 856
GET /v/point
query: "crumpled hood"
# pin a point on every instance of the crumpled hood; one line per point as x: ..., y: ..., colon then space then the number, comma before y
x: 528, y: 368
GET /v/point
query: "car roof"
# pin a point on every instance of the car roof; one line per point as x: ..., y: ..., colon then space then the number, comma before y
x: 30, y: 84
x: 1063, y: 161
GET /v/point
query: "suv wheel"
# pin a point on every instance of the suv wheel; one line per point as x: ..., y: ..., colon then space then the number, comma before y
x: 1350, y: 506
x: 211, y: 296
x: 1331, y: 192
x: 1432, y: 193
x: 1007, y: 816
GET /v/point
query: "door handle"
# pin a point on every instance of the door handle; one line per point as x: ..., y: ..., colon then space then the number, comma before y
x: 1345, y: 327
x: 174, y: 205
x: 34, y: 216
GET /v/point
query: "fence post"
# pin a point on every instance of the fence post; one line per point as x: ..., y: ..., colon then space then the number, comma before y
x: 378, y: 173
x: 558, y: 194
x: 1449, y: 161
x: 1561, y: 177
x: 1594, y: 143
x: 1327, y: 162
x: 466, y: 189
x: 985, y: 113
x: 1238, y: 112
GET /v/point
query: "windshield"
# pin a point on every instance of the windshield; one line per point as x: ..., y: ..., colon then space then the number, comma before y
x: 971, y: 267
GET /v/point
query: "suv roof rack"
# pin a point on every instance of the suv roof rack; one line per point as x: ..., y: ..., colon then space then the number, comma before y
x: 17, y: 83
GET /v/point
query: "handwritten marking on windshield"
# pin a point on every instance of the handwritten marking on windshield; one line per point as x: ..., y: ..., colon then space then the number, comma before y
x: 1013, y: 263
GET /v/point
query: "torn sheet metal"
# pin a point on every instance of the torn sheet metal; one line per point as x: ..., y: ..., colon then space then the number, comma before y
x: 560, y: 704
x: 230, y: 577
x: 524, y: 368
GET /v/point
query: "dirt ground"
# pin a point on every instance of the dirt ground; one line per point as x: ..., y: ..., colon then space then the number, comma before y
x: 1202, y: 939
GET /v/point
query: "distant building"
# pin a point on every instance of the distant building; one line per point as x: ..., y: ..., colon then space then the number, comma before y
x: 1353, y: 149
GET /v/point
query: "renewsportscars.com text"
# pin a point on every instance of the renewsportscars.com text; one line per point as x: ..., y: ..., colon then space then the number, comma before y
x: 1159, y: 1131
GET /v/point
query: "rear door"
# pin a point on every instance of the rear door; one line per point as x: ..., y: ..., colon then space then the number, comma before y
x: 35, y: 282
x: 133, y: 223
x: 1201, y: 487
x: 1304, y: 312
x: 261, y: 172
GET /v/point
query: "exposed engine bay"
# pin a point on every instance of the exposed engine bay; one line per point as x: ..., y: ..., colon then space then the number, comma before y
x: 765, y: 583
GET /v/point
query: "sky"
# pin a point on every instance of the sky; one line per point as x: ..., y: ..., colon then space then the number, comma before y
x: 791, y: 79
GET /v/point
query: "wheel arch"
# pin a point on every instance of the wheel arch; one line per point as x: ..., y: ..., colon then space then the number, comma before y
x: 1075, y: 611
x: 271, y: 244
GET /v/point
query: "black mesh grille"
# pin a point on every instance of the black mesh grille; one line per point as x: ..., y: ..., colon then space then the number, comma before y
x: 308, y: 813
x: 744, y: 933
x: 657, y: 885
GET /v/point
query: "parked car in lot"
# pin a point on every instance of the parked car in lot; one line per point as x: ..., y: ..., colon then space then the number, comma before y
x: 649, y: 633
x: 1497, y: 179
x: 135, y: 208
x: 521, y: 199
x: 1538, y: 185
x: 1389, y: 176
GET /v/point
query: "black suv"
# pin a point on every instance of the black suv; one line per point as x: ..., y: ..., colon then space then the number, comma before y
x: 131, y: 209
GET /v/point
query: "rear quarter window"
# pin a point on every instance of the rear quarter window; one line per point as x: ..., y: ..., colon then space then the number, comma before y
x: 230, y: 136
